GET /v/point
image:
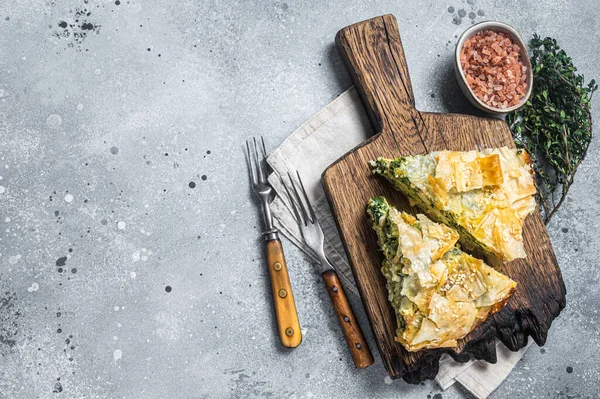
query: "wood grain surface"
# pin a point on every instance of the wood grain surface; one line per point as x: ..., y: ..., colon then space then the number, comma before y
x: 285, y: 307
x: 361, y: 354
x: 373, y: 54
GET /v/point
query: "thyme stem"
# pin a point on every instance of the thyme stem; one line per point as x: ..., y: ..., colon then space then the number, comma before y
x: 555, y: 125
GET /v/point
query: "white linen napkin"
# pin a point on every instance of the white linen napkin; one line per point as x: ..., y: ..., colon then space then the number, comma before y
x: 335, y: 130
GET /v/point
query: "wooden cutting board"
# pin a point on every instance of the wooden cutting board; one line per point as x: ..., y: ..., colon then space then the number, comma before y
x: 373, y: 54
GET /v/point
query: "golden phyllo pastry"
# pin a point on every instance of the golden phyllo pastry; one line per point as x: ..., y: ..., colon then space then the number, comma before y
x: 439, y: 293
x: 485, y: 195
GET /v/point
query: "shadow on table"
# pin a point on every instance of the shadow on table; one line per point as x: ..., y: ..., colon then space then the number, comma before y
x: 338, y: 69
x: 451, y: 96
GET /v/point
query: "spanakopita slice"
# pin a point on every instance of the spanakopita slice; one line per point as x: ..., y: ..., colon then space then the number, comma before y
x: 485, y: 195
x: 438, y: 292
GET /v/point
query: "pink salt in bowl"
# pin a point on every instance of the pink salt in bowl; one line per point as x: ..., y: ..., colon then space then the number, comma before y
x: 461, y: 75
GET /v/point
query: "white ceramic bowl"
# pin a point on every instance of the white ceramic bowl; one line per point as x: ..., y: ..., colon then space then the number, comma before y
x: 460, y: 76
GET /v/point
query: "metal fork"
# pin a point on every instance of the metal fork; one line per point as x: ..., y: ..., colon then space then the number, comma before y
x: 285, y: 307
x: 314, y: 238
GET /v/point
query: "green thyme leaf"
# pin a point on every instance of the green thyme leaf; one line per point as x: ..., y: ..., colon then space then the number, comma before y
x: 555, y: 125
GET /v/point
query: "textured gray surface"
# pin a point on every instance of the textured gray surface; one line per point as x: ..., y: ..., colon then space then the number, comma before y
x: 104, y: 124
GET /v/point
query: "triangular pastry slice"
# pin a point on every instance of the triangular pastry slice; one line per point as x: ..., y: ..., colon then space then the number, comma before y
x: 485, y: 195
x: 439, y: 293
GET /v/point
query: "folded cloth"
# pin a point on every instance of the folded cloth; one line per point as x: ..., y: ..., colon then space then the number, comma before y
x: 477, y: 376
x: 328, y: 135
x: 335, y: 130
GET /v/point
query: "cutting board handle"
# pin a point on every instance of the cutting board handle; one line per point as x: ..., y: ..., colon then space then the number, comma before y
x: 373, y: 54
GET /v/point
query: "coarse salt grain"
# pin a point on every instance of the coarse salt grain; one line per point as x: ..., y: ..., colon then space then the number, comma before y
x: 493, y: 68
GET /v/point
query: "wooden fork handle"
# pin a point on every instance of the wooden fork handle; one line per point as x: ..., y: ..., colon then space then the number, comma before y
x: 361, y: 354
x: 285, y: 308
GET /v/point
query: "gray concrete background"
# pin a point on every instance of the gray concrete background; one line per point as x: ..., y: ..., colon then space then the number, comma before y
x: 105, y: 120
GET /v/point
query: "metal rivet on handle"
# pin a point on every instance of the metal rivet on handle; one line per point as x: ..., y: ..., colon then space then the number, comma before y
x: 282, y: 293
x: 346, y: 319
x: 277, y: 266
x: 358, y: 346
x: 334, y: 289
x: 289, y: 331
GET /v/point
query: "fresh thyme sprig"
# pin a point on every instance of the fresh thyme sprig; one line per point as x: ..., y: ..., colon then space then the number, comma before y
x: 555, y: 126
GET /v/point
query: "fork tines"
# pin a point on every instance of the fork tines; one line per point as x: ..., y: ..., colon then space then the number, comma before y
x: 301, y: 205
x: 257, y: 175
